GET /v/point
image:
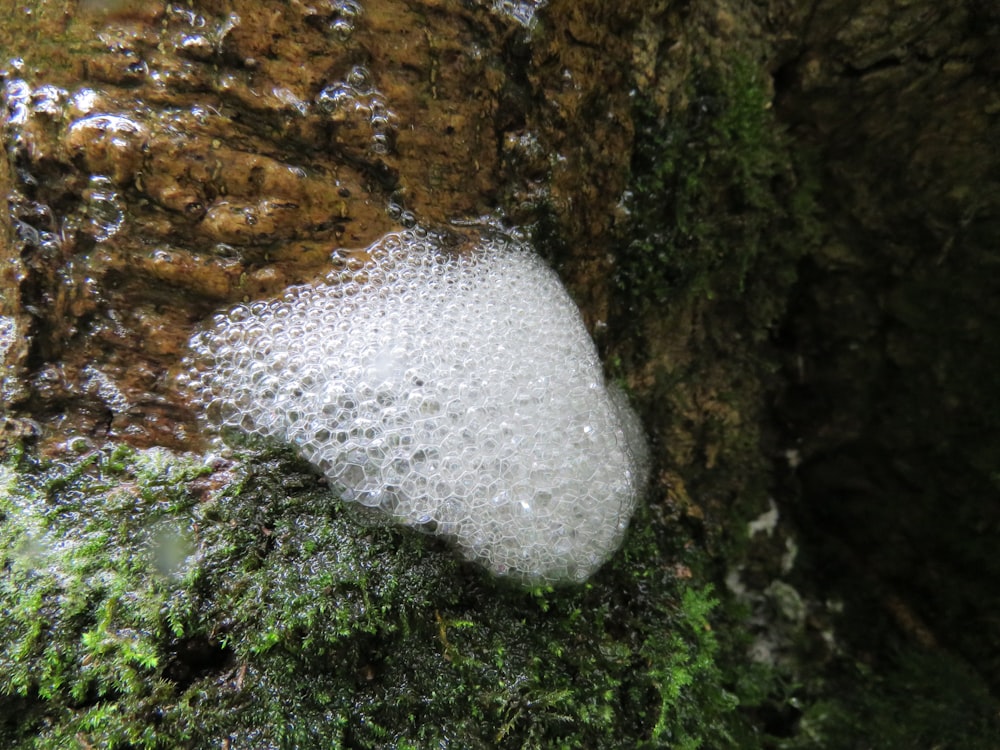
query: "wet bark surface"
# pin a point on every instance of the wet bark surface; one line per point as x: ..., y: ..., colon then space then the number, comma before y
x: 168, y: 161
x: 780, y: 221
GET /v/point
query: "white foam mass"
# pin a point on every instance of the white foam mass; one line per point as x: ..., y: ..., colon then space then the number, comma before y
x: 458, y: 393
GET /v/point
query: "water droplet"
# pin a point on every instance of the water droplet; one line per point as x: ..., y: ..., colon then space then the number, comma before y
x: 342, y: 29
x: 102, y: 209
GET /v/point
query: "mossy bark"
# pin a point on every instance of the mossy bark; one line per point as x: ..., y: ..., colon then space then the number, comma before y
x: 892, y: 332
x: 781, y: 224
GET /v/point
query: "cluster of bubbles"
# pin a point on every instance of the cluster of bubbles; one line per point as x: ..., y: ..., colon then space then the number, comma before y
x: 356, y: 95
x: 457, y: 392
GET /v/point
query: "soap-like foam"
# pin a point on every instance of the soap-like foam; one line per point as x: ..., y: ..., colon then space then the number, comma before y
x: 458, y: 393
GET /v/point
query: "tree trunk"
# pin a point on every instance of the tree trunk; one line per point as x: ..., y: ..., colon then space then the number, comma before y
x: 780, y: 223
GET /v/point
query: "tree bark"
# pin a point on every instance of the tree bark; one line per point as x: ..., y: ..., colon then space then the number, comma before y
x: 780, y: 221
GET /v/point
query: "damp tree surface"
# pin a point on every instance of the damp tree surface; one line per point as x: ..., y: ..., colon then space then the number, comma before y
x: 780, y: 223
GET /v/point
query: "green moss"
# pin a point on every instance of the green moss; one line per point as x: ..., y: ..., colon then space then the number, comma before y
x: 148, y: 601
x: 925, y: 699
x: 713, y: 190
x: 722, y: 210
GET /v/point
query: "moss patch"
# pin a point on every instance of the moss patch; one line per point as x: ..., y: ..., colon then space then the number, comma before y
x: 713, y: 194
x: 916, y: 698
x: 149, y: 600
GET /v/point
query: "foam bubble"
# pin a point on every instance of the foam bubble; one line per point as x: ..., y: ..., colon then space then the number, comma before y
x: 460, y: 394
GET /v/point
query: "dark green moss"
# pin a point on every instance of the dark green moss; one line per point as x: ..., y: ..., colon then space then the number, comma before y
x: 722, y: 211
x: 148, y: 601
x: 923, y: 698
x: 714, y: 197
